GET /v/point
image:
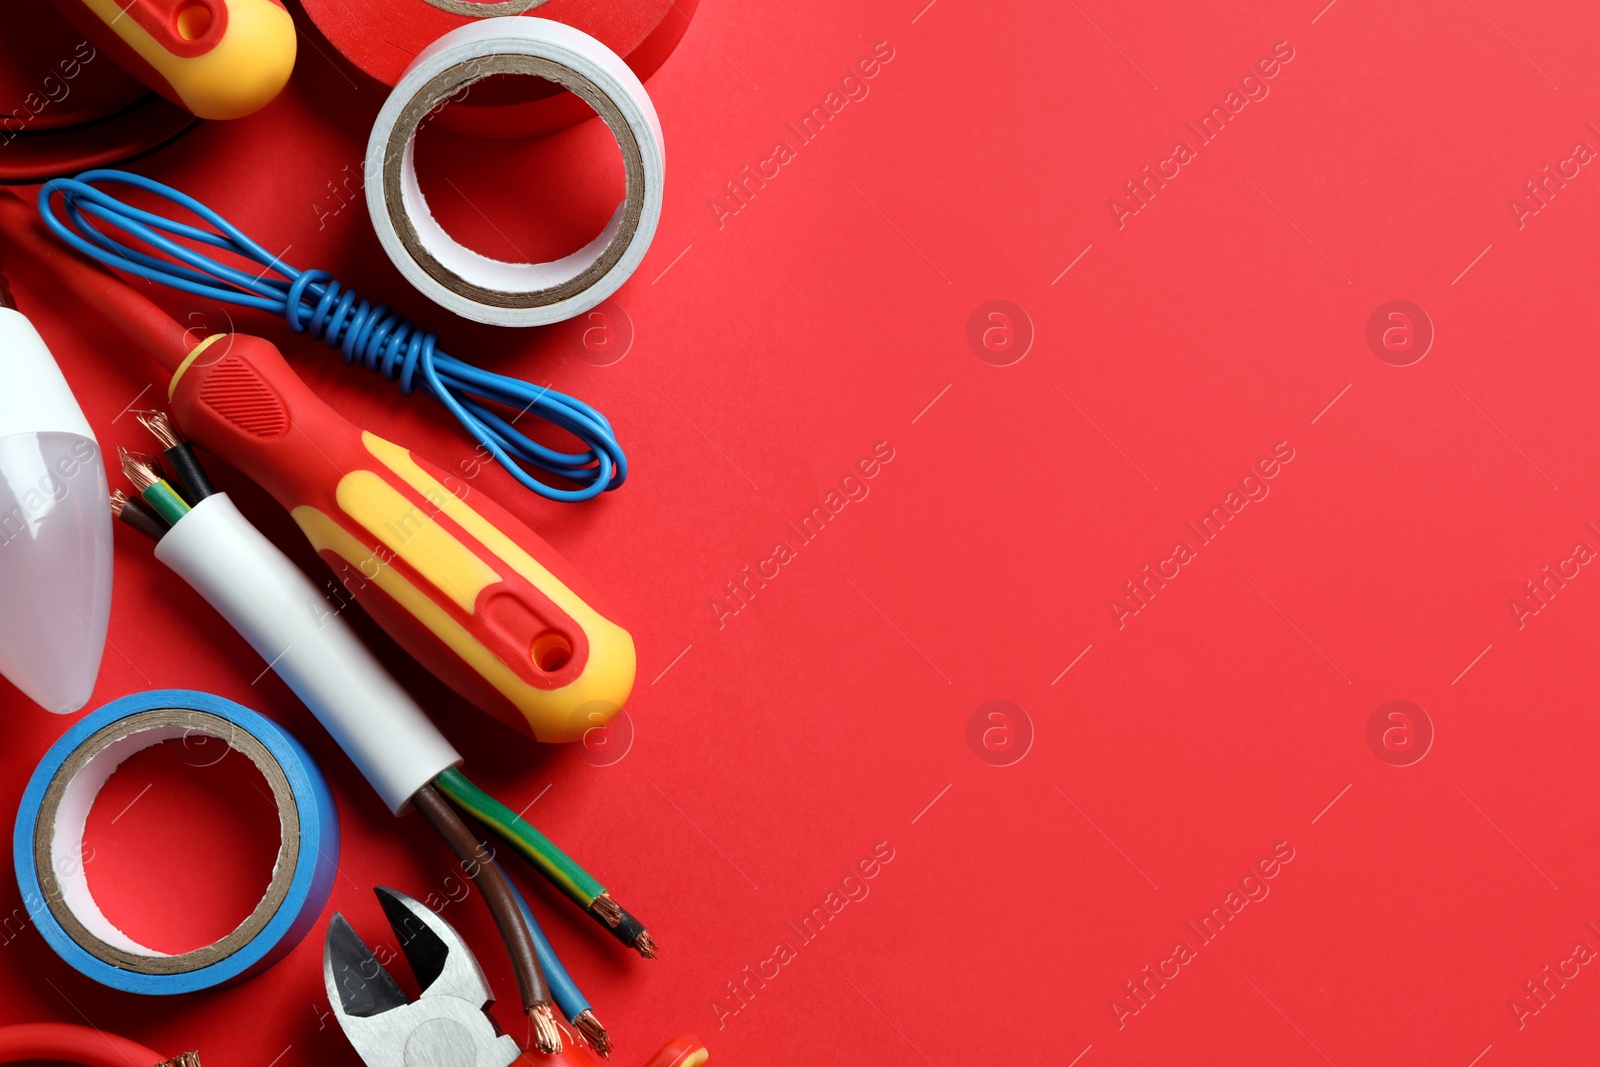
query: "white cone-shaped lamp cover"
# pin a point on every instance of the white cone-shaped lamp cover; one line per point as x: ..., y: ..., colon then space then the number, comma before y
x: 55, y: 528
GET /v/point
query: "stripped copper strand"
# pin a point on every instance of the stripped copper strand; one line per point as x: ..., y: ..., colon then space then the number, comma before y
x: 139, y: 469
x: 509, y: 918
x: 183, y: 1059
x: 593, y: 1032
x: 160, y: 428
x: 607, y: 909
x: 615, y: 916
x: 154, y: 490
x: 546, y: 1034
x: 185, y: 464
x: 135, y: 513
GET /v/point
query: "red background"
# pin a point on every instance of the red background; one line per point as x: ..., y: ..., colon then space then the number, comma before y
x: 830, y: 313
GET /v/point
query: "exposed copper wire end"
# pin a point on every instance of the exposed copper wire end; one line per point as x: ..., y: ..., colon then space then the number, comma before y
x: 645, y: 944
x: 161, y: 428
x: 593, y: 1032
x: 185, y: 1059
x: 138, y: 469
x: 609, y: 910
x: 119, y: 501
x: 546, y: 1034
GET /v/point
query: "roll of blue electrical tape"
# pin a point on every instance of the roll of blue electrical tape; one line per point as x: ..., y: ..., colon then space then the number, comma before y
x: 48, y: 845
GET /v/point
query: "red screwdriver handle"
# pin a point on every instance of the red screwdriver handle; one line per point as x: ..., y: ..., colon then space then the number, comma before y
x: 477, y: 597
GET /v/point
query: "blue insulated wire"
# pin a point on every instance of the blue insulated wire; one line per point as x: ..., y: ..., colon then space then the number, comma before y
x: 565, y: 991
x: 96, y: 224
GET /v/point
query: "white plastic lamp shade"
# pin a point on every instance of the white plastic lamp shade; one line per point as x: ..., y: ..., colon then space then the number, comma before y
x: 55, y: 529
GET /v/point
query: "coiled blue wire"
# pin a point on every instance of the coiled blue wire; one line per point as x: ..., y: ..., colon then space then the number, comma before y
x: 313, y: 302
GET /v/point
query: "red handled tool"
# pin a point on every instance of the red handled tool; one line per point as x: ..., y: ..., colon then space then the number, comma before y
x: 477, y: 597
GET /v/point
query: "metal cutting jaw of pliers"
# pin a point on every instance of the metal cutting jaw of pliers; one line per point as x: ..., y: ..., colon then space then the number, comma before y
x: 446, y: 1026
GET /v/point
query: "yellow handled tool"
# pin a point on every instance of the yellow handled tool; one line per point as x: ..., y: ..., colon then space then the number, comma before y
x: 466, y: 588
x: 221, y: 59
x: 462, y: 584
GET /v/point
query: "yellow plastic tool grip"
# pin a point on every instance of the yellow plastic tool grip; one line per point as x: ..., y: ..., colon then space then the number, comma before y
x: 220, y: 59
x: 467, y: 588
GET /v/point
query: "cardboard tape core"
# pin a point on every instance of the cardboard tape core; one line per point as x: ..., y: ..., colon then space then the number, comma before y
x: 486, y: 9
x: 472, y: 274
x: 47, y: 845
x: 469, y: 283
x: 58, y: 838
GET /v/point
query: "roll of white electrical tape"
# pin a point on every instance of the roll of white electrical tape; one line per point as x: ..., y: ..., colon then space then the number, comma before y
x: 48, y: 845
x: 474, y: 285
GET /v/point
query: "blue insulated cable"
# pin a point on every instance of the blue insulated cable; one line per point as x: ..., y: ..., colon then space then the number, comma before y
x: 312, y: 302
x: 565, y: 991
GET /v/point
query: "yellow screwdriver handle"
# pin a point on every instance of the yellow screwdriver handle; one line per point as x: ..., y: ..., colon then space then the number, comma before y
x: 220, y: 59
x: 462, y: 584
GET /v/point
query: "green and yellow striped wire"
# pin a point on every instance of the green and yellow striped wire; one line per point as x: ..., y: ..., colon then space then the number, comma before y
x: 165, y: 499
x: 561, y: 869
x: 153, y: 488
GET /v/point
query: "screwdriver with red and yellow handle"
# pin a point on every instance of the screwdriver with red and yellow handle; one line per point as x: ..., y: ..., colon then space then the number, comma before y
x: 220, y: 59
x: 464, y: 586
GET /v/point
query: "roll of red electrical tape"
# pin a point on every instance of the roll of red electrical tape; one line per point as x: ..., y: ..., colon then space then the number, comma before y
x: 382, y: 37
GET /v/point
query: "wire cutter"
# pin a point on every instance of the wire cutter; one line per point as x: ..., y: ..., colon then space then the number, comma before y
x: 447, y: 1026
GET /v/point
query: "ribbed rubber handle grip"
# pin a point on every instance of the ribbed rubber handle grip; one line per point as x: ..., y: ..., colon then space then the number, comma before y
x: 477, y: 597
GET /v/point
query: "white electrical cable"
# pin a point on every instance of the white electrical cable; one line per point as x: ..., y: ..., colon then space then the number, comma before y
x: 292, y: 625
